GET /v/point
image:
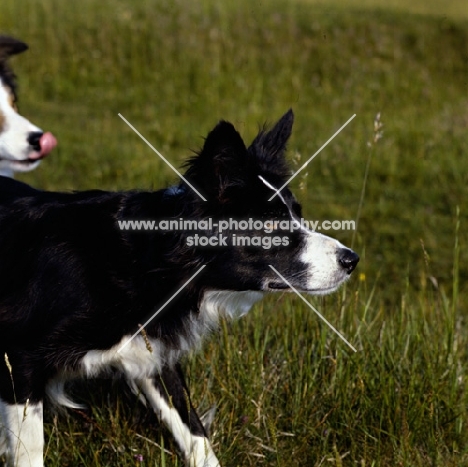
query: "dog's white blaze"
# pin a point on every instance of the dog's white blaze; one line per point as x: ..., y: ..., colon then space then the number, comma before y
x: 196, y: 449
x: 22, y: 429
x: 13, y: 136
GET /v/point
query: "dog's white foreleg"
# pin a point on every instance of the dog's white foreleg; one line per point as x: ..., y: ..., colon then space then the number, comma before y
x: 195, y: 446
x: 22, y: 425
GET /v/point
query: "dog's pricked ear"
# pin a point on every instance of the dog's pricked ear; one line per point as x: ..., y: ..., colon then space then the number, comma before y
x: 275, y: 140
x: 10, y: 46
x: 223, y: 143
x: 220, y: 165
x: 269, y: 147
x: 270, y: 144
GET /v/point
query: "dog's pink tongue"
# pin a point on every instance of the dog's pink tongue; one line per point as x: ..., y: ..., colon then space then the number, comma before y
x: 47, y: 143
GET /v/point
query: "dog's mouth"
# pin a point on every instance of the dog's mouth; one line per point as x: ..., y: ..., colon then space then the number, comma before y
x: 19, y: 161
x: 278, y: 286
x: 19, y: 164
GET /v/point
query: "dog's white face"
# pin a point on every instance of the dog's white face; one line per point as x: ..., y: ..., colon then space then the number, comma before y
x: 22, y: 144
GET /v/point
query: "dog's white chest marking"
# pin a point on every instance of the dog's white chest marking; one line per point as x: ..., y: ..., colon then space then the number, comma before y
x: 228, y: 303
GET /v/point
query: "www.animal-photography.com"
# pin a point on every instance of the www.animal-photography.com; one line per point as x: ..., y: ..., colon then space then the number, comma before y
x: 233, y: 233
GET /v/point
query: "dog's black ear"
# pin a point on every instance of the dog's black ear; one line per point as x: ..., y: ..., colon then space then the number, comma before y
x: 269, y: 146
x: 219, y: 168
x: 10, y: 46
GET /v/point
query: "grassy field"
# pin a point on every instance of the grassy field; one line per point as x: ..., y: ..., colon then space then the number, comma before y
x: 288, y: 392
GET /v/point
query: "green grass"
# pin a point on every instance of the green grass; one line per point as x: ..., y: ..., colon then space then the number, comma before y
x: 288, y: 391
x: 455, y: 9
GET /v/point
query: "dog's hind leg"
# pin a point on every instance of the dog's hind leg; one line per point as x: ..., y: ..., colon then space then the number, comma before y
x: 22, y: 427
x: 169, y: 397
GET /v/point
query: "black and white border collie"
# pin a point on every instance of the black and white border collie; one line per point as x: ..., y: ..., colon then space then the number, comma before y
x: 75, y: 287
x: 22, y: 144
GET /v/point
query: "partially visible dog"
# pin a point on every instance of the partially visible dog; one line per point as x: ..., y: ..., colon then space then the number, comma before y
x: 77, y: 285
x: 22, y: 144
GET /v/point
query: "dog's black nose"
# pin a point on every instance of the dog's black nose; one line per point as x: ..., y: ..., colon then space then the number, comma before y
x: 34, y: 138
x: 348, y: 259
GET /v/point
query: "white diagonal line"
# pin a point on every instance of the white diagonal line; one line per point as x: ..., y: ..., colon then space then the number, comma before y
x: 161, y: 308
x: 313, y: 309
x: 162, y: 157
x: 305, y: 165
